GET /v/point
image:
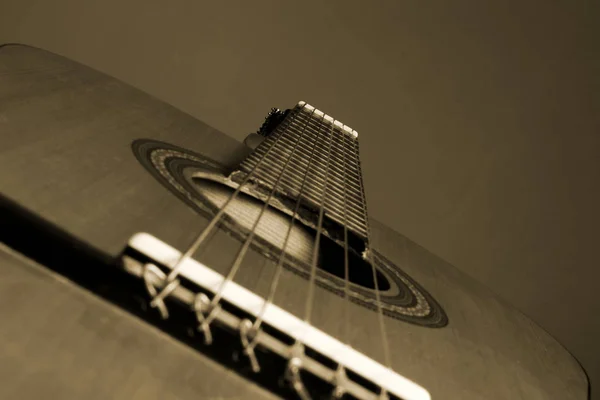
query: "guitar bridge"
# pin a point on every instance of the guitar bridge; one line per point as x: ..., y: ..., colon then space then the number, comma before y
x: 310, y: 361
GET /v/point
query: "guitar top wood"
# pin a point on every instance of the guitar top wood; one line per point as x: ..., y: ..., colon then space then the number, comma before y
x: 66, y: 134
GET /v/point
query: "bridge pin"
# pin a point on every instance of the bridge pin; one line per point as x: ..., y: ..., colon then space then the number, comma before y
x: 248, y: 338
x: 292, y: 373
x: 150, y: 271
x: 201, y: 305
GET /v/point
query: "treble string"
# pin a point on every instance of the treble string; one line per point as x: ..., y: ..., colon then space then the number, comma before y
x: 346, y: 263
x: 315, y: 255
x: 240, y: 256
x: 281, y: 258
x: 384, y: 340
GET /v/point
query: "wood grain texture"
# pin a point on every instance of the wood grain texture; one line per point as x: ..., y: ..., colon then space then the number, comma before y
x: 66, y: 133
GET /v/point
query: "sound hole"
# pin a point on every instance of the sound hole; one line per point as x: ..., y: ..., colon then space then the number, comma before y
x: 273, y: 227
x: 360, y: 272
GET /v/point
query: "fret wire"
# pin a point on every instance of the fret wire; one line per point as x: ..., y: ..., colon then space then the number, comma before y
x: 337, y: 130
x: 354, y: 172
x: 357, y: 216
x: 336, y: 148
x: 352, y: 175
x: 309, y: 138
x: 292, y: 189
x: 303, y: 150
x: 303, y: 153
x: 260, y: 152
x: 338, y: 183
x: 274, y: 164
x: 360, y: 221
x: 286, y: 140
x: 311, y: 134
x: 293, y: 178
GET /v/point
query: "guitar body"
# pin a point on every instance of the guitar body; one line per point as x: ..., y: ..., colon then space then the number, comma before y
x: 72, y: 167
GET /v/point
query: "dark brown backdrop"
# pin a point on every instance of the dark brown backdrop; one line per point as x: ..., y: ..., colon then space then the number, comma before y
x: 479, y: 124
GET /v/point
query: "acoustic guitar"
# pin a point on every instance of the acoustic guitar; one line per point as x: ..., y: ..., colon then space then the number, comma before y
x: 145, y: 255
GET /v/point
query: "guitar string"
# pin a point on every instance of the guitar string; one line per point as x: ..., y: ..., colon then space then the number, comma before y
x: 204, y: 234
x: 242, y: 252
x: 346, y: 309
x: 315, y: 256
x: 297, y: 350
x: 281, y: 258
x: 310, y: 297
x: 369, y: 254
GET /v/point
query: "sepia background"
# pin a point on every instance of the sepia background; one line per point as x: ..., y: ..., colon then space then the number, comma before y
x: 479, y: 122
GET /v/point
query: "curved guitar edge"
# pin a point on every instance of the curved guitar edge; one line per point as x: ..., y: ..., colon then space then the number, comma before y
x: 584, y: 372
x: 92, y: 198
x: 483, y: 291
x: 586, y: 377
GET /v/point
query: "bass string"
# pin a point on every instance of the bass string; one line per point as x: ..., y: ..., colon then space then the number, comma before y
x: 241, y: 254
x: 369, y: 254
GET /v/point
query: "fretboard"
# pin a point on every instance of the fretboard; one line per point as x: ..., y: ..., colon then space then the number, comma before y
x: 323, y: 170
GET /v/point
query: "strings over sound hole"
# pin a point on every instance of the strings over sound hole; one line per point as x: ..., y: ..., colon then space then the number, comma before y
x: 273, y: 228
x: 203, y: 185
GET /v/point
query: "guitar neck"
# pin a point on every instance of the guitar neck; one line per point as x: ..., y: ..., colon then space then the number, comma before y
x: 326, y: 157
